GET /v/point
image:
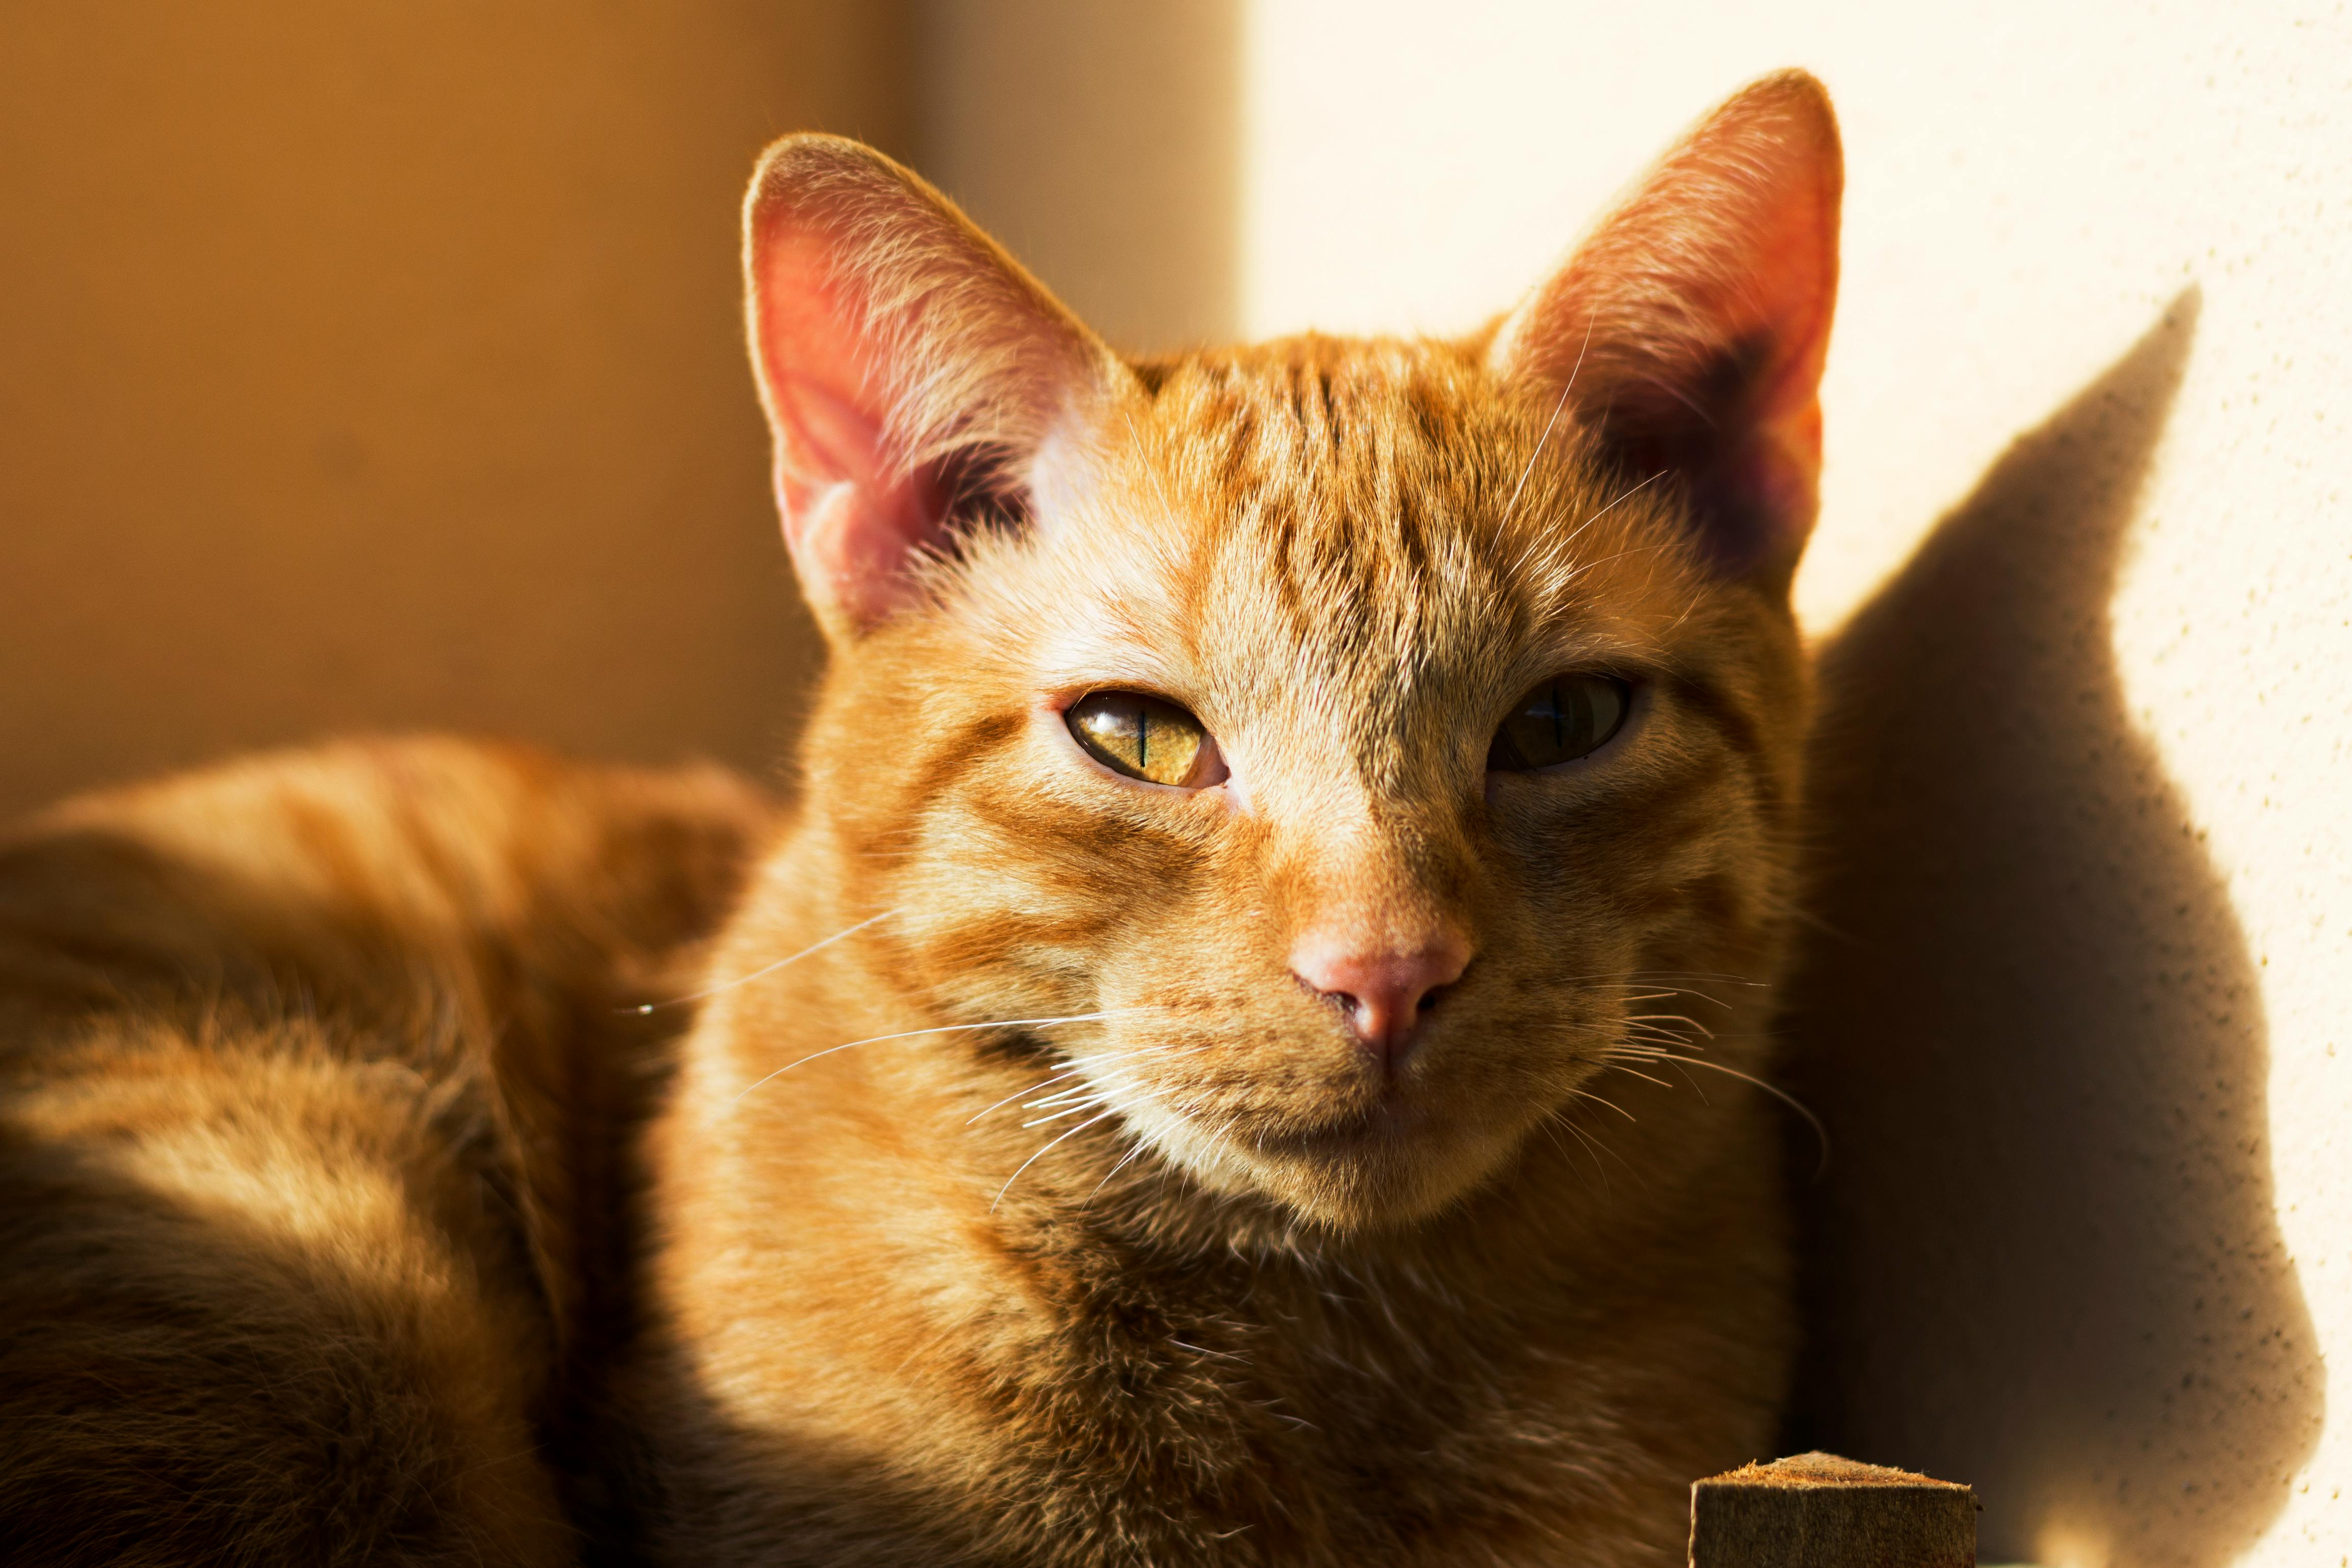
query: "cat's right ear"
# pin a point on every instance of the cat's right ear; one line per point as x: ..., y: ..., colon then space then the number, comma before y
x: 911, y: 371
x: 1687, y: 332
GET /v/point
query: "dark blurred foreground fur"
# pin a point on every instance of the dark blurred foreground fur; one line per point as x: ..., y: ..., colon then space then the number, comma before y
x: 313, y: 1072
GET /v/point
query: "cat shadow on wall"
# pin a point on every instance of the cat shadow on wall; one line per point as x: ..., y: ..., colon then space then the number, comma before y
x: 2045, y: 1259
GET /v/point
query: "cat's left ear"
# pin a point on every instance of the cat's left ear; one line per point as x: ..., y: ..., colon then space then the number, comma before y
x: 912, y: 372
x: 1687, y: 332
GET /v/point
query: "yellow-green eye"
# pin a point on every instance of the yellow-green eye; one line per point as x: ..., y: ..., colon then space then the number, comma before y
x: 1145, y: 738
x: 1558, y: 720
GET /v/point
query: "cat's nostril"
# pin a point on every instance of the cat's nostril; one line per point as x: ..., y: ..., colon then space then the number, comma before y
x: 1381, y: 994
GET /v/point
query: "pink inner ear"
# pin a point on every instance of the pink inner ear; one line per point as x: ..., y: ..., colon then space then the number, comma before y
x: 908, y: 367
x: 854, y: 513
x: 852, y: 520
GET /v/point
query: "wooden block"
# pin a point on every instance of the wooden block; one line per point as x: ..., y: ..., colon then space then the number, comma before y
x: 1817, y: 1511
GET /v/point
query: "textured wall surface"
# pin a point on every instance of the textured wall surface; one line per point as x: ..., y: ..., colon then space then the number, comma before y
x: 2074, y: 1005
x: 379, y: 364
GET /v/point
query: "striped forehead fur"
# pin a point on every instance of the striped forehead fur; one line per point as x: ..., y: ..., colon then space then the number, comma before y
x: 1359, y: 510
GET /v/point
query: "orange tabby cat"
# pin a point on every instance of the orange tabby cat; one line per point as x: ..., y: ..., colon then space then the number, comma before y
x: 1211, y: 1072
x: 1163, y: 1106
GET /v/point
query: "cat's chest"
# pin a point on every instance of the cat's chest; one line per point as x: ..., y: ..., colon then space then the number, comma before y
x: 1050, y: 1401
x: 1347, y: 1427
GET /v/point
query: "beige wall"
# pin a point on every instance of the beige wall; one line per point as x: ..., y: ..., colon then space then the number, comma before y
x: 377, y: 364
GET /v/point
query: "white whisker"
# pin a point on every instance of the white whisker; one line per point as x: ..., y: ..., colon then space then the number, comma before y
x: 1124, y: 1160
x: 1029, y: 1089
x: 770, y: 969
x: 1623, y: 496
x: 1081, y: 1106
x: 1511, y: 506
x: 1690, y: 1024
x: 1611, y: 1104
x: 1033, y: 1158
x: 1061, y: 1096
x: 1551, y: 1123
x: 1820, y: 1132
x: 945, y: 1029
x: 1075, y: 1065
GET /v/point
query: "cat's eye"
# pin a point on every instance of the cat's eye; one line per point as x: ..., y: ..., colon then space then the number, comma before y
x: 1145, y: 738
x: 1558, y: 720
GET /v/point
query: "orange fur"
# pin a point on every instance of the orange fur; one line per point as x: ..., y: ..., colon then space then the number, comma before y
x: 311, y: 1071
x: 1015, y: 1202
x: 1040, y: 1215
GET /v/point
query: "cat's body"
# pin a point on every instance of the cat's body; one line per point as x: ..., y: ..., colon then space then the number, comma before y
x: 1238, y: 1053
x: 313, y: 1077
x: 876, y: 1362
x: 879, y: 1359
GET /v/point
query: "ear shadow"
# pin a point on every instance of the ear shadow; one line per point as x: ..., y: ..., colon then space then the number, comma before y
x: 2045, y: 1259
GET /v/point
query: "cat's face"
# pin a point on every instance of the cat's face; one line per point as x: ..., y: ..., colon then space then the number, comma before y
x: 1314, y: 550
x: 1350, y: 734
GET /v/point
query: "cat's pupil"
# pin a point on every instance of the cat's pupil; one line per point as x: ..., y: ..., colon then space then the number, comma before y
x: 1565, y: 717
x: 1142, y: 736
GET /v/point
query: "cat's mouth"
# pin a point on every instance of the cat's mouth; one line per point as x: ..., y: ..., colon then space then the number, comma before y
x: 1392, y: 1156
x: 1395, y: 1161
x: 1393, y: 1119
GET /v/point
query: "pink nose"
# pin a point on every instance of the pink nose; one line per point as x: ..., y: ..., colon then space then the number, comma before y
x: 1381, y: 993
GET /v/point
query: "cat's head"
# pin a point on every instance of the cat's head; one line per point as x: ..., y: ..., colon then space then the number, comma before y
x: 1350, y: 727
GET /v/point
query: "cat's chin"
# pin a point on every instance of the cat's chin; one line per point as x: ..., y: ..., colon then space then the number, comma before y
x: 1389, y: 1165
